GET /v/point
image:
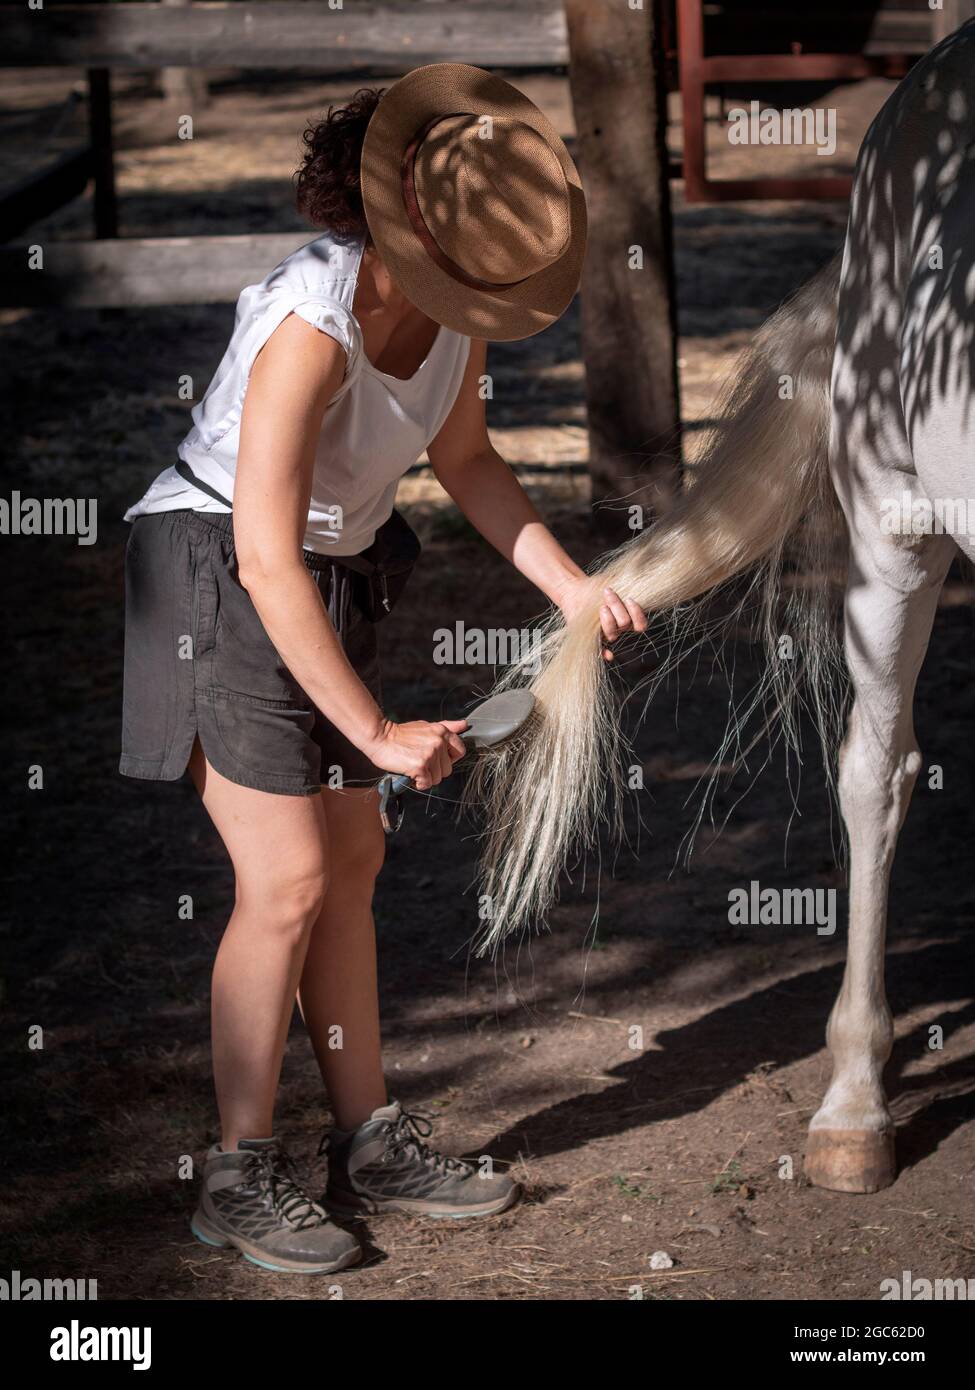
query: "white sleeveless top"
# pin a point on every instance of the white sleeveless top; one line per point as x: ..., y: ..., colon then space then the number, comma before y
x: 375, y: 428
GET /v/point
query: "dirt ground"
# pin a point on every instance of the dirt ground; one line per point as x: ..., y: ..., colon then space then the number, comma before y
x: 679, y: 1147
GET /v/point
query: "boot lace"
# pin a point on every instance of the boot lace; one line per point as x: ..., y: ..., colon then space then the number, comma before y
x: 407, y: 1139
x: 277, y: 1182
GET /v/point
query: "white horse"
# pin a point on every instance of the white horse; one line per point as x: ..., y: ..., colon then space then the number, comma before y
x: 861, y: 391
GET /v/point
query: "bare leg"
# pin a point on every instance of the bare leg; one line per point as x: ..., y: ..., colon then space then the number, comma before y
x: 339, y: 992
x: 851, y: 1144
x: 278, y: 846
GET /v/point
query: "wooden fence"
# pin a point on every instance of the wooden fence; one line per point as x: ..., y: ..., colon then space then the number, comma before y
x: 369, y: 36
x: 374, y: 36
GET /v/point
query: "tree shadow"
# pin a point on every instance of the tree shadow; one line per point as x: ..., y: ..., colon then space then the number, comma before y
x: 782, y: 1023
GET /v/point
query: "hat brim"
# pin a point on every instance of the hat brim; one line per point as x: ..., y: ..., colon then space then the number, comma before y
x: 445, y: 89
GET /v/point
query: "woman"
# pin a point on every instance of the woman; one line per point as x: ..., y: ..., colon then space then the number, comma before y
x: 452, y: 214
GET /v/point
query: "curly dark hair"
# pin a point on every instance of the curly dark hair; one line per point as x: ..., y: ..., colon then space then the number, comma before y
x: 328, y: 180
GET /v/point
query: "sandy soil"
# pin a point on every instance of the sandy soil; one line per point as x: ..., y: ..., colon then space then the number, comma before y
x: 678, y: 1147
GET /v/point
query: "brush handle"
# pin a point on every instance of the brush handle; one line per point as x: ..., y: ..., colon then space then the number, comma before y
x: 400, y: 782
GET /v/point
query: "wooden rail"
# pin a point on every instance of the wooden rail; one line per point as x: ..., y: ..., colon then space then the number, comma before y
x: 142, y: 271
x: 375, y: 36
x: 383, y: 36
x: 378, y: 36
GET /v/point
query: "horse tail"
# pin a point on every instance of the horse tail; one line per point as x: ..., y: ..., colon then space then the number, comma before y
x: 762, y: 482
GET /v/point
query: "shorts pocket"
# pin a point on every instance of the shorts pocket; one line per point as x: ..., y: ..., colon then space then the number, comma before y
x: 267, y: 738
x: 155, y: 620
x: 243, y: 660
x: 221, y: 692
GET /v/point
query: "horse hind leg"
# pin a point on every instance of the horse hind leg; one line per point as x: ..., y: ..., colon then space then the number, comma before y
x: 851, y: 1137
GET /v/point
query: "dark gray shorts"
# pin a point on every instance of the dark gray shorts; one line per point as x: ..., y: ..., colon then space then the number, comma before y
x: 198, y: 661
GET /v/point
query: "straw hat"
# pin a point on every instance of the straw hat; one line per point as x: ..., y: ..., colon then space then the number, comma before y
x: 473, y: 202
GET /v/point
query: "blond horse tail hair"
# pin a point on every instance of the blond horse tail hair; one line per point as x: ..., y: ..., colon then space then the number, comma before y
x: 762, y: 477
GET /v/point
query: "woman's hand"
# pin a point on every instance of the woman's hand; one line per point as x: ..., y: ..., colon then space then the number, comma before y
x: 616, y: 615
x: 425, y: 752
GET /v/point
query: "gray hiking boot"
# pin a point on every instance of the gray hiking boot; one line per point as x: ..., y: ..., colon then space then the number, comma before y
x: 251, y: 1199
x: 384, y: 1165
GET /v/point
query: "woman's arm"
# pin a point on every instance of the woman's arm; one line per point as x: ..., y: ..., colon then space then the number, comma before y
x: 475, y: 475
x: 293, y: 379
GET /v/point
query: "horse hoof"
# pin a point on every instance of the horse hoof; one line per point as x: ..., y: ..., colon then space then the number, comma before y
x: 851, y: 1160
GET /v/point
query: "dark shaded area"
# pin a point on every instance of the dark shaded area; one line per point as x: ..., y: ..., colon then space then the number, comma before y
x: 96, y: 955
x: 831, y: 26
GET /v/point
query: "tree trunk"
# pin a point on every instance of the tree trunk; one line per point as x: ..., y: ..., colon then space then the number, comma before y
x: 629, y: 321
